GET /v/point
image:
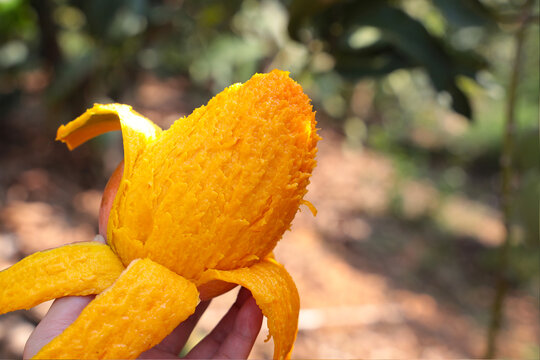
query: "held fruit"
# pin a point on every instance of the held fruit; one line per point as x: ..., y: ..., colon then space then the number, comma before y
x: 195, y: 210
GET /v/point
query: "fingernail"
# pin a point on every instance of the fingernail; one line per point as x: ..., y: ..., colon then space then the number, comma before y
x: 99, y: 238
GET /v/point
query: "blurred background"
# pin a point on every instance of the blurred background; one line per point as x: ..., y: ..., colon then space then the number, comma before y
x: 426, y: 244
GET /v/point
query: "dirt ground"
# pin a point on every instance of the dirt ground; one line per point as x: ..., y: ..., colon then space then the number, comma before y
x: 372, y: 284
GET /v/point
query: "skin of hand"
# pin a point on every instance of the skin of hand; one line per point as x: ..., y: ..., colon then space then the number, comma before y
x: 232, y: 338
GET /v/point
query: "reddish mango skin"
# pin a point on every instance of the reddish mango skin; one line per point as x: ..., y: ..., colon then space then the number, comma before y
x: 108, y: 198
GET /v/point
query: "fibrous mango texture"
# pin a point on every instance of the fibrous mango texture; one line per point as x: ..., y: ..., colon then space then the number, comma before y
x: 207, y: 201
x: 146, y: 299
x: 239, y: 166
x: 76, y: 269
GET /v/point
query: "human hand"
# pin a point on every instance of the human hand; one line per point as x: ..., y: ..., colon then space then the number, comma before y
x: 233, y: 336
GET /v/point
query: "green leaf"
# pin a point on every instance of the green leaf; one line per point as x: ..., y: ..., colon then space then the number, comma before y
x: 464, y: 13
x: 100, y: 15
x: 376, y: 60
x: 460, y: 101
x: 403, y: 42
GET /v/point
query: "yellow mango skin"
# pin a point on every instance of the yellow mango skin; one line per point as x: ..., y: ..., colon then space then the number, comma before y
x: 138, y: 311
x: 137, y: 131
x: 220, y: 187
x: 276, y: 295
x: 76, y: 269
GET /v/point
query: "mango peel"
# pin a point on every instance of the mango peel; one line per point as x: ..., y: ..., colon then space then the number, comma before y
x: 199, y: 209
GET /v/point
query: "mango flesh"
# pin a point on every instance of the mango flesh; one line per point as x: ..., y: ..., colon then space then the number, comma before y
x: 131, y: 316
x: 77, y: 269
x: 220, y: 187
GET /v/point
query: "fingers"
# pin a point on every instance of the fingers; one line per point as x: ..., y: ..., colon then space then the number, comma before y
x: 233, y: 337
x: 235, y: 334
x: 175, y: 341
x: 61, y: 314
x: 239, y: 342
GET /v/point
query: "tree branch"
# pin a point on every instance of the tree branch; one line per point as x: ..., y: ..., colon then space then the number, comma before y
x: 507, y: 170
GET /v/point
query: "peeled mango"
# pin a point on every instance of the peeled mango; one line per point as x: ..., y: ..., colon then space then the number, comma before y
x: 193, y: 211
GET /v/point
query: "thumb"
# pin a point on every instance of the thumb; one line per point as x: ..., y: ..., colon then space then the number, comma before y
x: 61, y: 314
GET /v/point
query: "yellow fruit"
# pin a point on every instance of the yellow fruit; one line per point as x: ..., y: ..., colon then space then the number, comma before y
x: 76, y: 269
x: 207, y: 199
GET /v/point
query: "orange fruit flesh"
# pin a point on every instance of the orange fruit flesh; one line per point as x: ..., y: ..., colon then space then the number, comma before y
x: 203, y: 203
x: 77, y: 269
x: 131, y: 316
x: 207, y: 290
x: 219, y: 188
